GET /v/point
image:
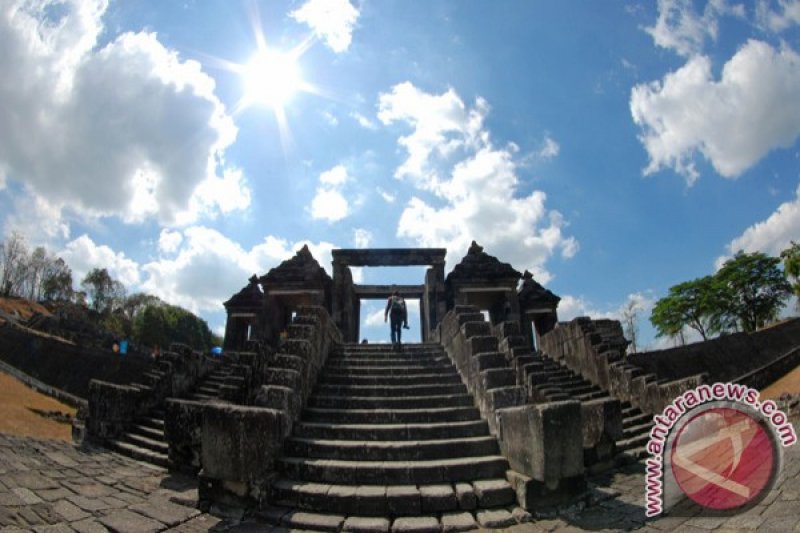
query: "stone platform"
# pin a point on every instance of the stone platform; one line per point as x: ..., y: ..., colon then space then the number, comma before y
x: 54, y: 486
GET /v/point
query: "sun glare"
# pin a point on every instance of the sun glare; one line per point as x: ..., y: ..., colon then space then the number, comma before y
x: 271, y: 78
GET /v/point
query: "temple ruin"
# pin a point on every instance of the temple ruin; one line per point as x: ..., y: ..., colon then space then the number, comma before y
x: 498, y: 415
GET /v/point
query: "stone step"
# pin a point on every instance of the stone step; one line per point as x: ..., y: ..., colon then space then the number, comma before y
x: 211, y: 391
x: 356, y: 371
x: 636, y: 441
x: 392, y: 500
x: 143, y: 441
x: 297, y: 520
x: 594, y: 395
x: 386, y: 347
x: 151, y: 422
x: 632, y: 431
x: 388, y: 450
x: 428, y: 379
x: 580, y: 389
x: 153, y: 433
x: 140, y: 454
x: 391, y: 416
x: 407, y: 402
x: 439, y: 360
x: 635, y: 420
x: 198, y: 397
x: 399, y: 472
x: 391, y: 390
x: 370, y: 432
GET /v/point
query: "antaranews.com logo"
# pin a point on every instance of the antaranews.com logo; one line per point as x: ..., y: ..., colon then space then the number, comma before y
x: 717, y: 445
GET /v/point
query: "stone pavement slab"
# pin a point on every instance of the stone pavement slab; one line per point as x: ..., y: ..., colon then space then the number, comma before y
x: 54, y: 486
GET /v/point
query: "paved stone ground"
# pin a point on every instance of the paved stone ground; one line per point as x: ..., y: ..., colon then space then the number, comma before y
x: 53, y: 486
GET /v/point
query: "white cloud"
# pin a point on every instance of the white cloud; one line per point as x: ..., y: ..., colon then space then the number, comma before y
x: 374, y: 318
x: 574, y: 306
x: 770, y: 236
x: 205, y: 268
x: 169, y: 241
x: 329, y: 205
x: 205, y: 254
x: 450, y: 154
x: 680, y: 28
x: 334, y: 177
x: 83, y: 255
x: 733, y: 122
x: 363, y: 121
x: 550, y: 148
x: 328, y: 202
x: 103, y: 130
x: 784, y: 16
x: 38, y: 219
x: 331, y: 20
x: 362, y: 238
x: 442, y: 125
x: 388, y: 197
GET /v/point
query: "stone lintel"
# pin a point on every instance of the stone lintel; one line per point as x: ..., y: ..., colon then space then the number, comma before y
x: 389, y: 256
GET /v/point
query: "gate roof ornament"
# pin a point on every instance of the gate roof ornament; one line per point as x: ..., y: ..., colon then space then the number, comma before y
x: 302, y: 271
x: 248, y: 298
x: 532, y: 294
x: 479, y: 267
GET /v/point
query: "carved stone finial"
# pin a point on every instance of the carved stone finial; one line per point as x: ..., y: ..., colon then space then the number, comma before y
x: 253, y: 279
x: 527, y: 275
x: 474, y: 248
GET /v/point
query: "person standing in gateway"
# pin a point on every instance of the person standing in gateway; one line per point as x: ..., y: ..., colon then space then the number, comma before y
x: 397, y: 313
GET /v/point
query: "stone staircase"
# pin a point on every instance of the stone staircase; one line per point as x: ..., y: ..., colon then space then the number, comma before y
x: 391, y: 440
x: 145, y: 440
x: 554, y: 381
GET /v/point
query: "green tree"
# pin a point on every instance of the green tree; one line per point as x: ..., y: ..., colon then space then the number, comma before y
x: 57, y: 281
x: 791, y: 265
x: 102, y: 289
x: 162, y: 324
x: 692, y: 304
x: 752, y: 290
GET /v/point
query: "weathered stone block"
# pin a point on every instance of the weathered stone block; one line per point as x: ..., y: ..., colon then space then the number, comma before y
x: 482, y: 344
x: 284, y: 377
x: 601, y: 417
x: 183, y: 423
x: 602, y: 427
x: 277, y: 397
x: 497, y: 377
x: 543, y: 441
x: 111, y: 408
x: 486, y: 360
x: 472, y: 329
x: 240, y: 444
x: 290, y: 361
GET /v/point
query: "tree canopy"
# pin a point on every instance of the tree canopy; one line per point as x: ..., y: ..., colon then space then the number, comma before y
x: 142, y: 317
x: 791, y: 265
x: 746, y: 293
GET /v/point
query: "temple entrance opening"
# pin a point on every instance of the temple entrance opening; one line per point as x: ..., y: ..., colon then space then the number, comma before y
x: 375, y: 285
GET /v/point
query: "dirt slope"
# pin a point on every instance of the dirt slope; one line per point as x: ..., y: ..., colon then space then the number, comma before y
x: 17, y: 415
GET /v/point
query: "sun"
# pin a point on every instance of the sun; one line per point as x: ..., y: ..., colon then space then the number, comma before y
x: 271, y: 78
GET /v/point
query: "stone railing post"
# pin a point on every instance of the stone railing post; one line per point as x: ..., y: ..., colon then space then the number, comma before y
x: 544, y: 446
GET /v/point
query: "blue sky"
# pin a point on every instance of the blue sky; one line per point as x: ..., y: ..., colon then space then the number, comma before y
x: 611, y: 148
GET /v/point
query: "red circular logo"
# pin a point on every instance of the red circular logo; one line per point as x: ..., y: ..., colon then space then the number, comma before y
x: 723, y: 458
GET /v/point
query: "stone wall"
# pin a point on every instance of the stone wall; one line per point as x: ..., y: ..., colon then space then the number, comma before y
x: 725, y: 358
x: 67, y: 366
x: 595, y: 349
x: 601, y: 419
x: 238, y: 444
x: 544, y: 442
x: 114, y: 407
